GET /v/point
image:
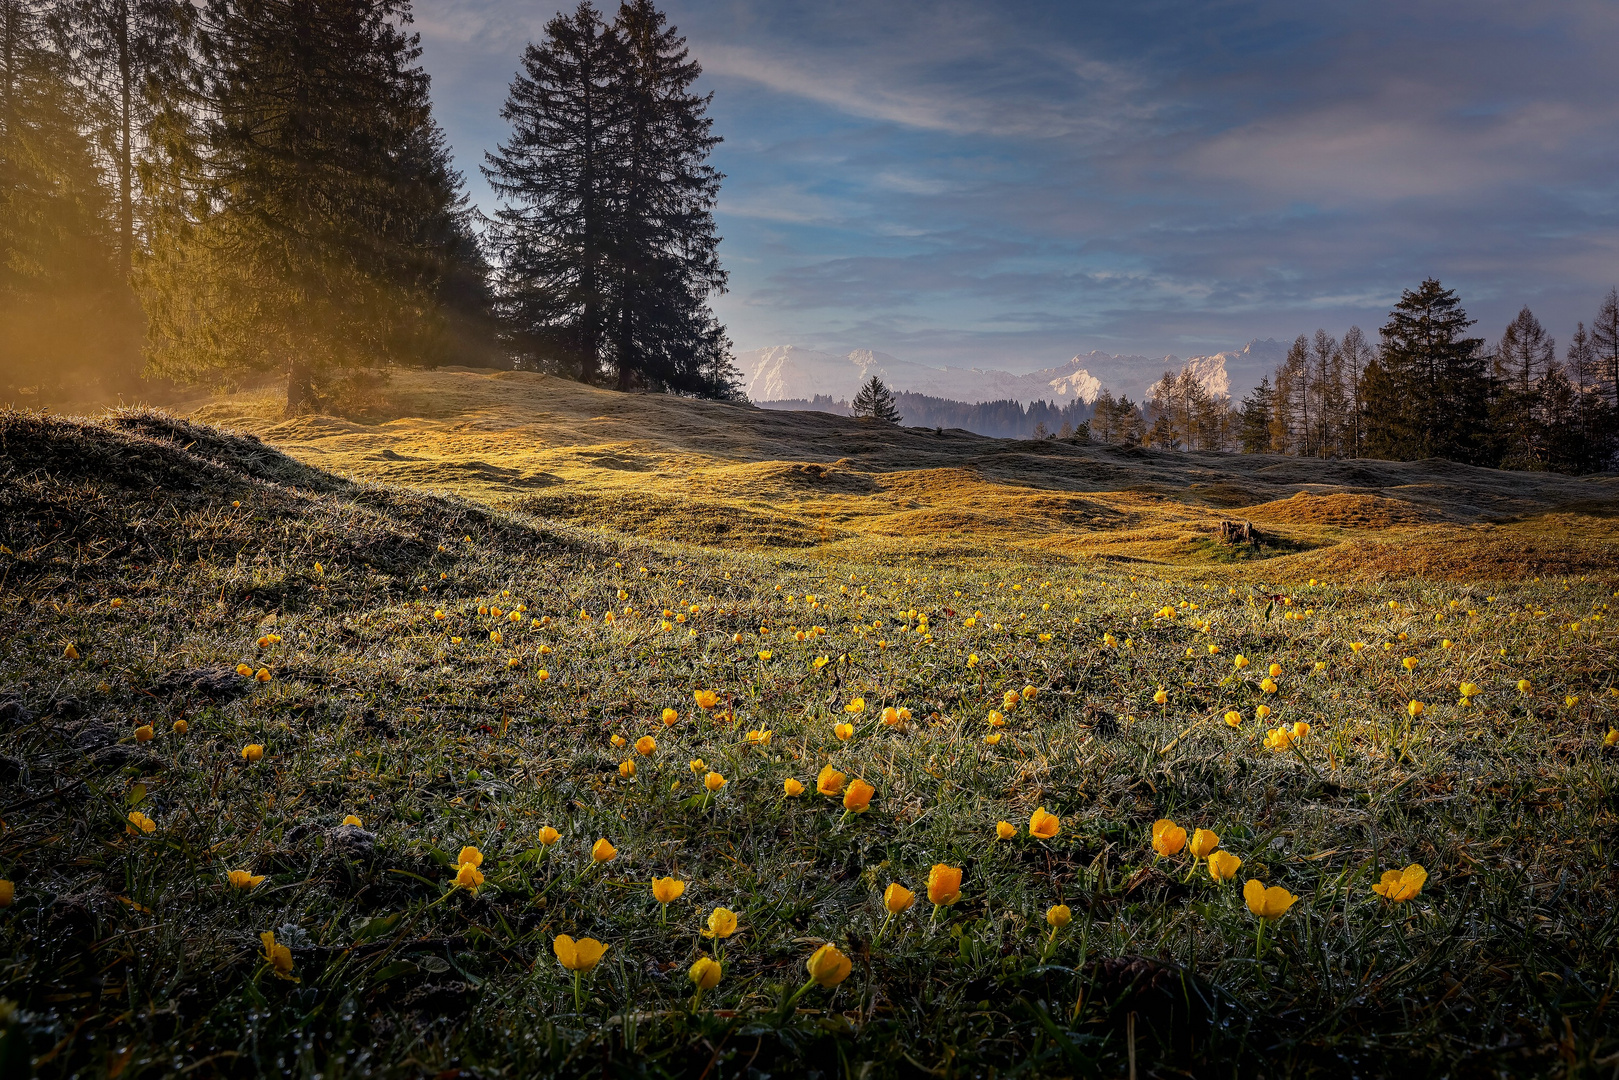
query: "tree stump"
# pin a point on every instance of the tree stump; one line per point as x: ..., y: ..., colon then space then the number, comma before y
x: 1238, y: 532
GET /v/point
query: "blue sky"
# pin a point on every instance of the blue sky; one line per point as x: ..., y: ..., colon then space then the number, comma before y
x: 1007, y: 184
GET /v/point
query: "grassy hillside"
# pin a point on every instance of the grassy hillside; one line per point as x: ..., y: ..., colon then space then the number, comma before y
x: 712, y: 473
x: 144, y: 558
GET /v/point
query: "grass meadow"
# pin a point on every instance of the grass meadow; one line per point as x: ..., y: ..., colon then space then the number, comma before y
x: 445, y: 676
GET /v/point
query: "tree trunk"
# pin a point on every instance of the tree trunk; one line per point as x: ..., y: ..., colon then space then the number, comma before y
x: 300, y: 387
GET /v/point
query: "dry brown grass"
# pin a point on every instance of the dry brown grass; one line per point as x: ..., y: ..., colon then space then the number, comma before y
x: 734, y: 476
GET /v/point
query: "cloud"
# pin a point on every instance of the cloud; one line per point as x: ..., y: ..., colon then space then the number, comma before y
x: 953, y: 181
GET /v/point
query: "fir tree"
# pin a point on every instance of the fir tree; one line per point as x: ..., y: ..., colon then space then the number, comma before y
x: 1605, y: 346
x: 1439, y: 389
x: 875, y: 400
x: 64, y: 308
x: 1254, y: 426
x: 323, y: 200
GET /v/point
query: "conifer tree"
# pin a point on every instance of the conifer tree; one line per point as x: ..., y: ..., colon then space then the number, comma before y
x: 1524, y: 359
x: 320, y: 201
x: 1605, y: 345
x: 1437, y: 394
x: 1254, y: 432
x: 63, y: 305
x: 875, y: 400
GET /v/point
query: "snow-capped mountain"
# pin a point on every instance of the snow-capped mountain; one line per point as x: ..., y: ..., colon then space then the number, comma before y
x: 788, y: 372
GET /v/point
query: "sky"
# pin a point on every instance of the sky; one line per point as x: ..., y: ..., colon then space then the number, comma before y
x: 1008, y: 184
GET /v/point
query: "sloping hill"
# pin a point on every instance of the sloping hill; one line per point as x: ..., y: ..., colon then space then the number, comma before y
x: 733, y: 475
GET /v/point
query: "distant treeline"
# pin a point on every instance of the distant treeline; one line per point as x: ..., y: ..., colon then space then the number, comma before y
x: 1005, y: 419
x: 217, y: 191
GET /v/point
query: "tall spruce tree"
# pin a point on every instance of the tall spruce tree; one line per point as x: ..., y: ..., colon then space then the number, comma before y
x: 605, y: 231
x: 319, y: 205
x: 1433, y: 393
x: 63, y: 304
x: 558, y: 178
x: 1605, y: 345
x: 1253, y: 430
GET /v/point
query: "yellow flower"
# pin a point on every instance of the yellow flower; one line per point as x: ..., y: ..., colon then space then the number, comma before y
x: 468, y: 877
x: 972, y: 659
x: 1470, y: 690
x: 497, y: 637
x: 857, y: 799
x: 626, y: 768
x: 821, y: 662
x: 1524, y: 686
x: 1005, y: 830
x: 996, y: 719
x: 1203, y: 842
x: 897, y: 898
x: 1223, y: 865
x: 1321, y: 665
x: 352, y: 820
x: 855, y: 707
x: 844, y: 732
x: 1010, y: 699
x: 1571, y: 701
x: 792, y: 787
x: 1241, y: 661
x: 181, y: 727
x: 471, y: 855
x: 1611, y: 738
x: 993, y: 738
x: 1044, y: 825
x: 617, y: 740
x: 1356, y: 646
x: 581, y: 955
x: 144, y: 733
x: 764, y: 654
x: 1058, y: 916
x: 944, y: 884
x: 830, y: 781
x: 669, y: 717
x: 1233, y: 718
x: 828, y: 967
x: 706, y: 699
x: 139, y: 823
x: 1399, y: 886
x: 721, y: 923
x: 262, y: 674
x: 278, y: 956
x: 602, y: 851
x: 1415, y: 709
x: 241, y: 669
x: 1261, y: 711
x: 714, y: 781
x: 1268, y: 685
x: 241, y: 879
x: 252, y: 752
x: 704, y: 973
x: 646, y: 745
x: 1271, y: 903
x: 698, y: 765
x: 548, y: 836
x: 1409, y: 663
x: 1167, y: 837
x: 666, y: 890
x: 760, y: 737
x: 8, y: 893
x: 1161, y: 697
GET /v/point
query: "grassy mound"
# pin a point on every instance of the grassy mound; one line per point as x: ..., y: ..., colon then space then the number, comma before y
x: 455, y: 677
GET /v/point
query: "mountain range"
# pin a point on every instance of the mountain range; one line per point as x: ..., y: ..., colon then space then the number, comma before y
x: 788, y: 372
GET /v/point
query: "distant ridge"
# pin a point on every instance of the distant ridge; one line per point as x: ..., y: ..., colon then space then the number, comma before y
x: 789, y: 372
